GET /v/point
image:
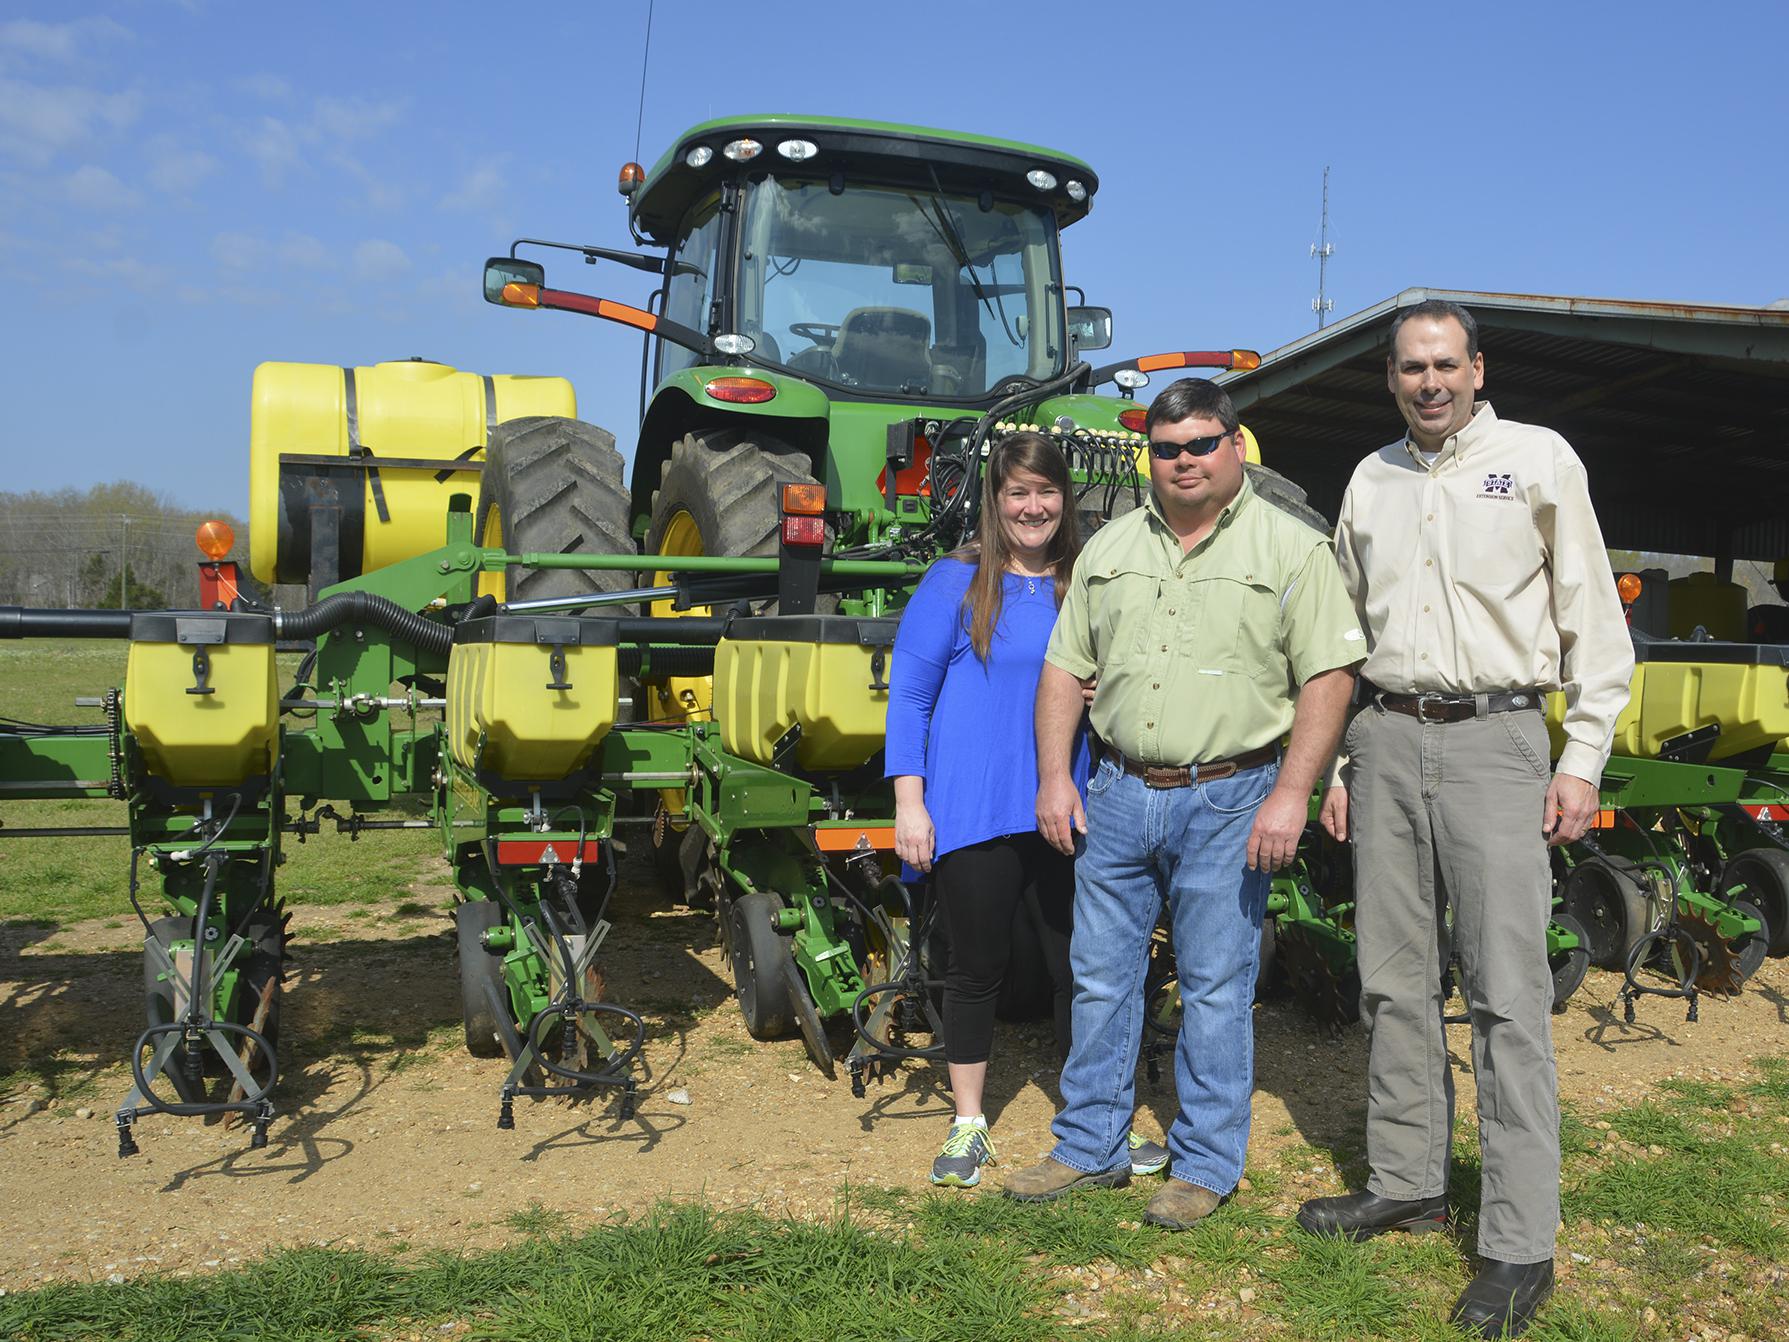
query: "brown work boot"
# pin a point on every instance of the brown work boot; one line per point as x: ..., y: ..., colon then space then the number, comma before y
x: 1180, y: 1205
x: 1050, y: 1180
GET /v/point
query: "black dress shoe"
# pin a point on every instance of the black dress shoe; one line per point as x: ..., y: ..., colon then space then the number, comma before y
x: 1362, y: 1215
x: 1502, y: 1298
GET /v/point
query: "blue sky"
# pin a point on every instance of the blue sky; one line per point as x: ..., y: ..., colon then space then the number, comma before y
x: 187, y: 189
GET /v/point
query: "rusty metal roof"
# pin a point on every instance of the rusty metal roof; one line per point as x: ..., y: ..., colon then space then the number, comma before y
x: 1679, y: 411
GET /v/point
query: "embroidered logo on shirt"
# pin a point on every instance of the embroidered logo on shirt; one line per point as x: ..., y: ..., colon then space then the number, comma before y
x: 1497, y: 485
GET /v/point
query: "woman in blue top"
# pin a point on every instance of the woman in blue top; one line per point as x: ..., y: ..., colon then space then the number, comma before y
x: 963, y: 755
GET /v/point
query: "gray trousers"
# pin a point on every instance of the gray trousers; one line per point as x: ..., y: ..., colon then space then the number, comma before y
x: 1447, y: 816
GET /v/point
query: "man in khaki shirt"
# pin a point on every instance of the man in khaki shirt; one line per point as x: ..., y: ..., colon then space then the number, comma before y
x: 1478, y: 571
x: 1212, y: 623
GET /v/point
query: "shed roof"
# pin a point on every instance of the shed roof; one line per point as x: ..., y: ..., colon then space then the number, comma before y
x: 1679, y: 411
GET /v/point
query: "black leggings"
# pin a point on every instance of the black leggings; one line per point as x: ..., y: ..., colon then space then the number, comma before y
x: 981, y: 890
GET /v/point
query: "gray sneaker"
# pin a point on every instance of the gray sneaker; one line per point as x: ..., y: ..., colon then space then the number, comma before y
x: 1147, y: 1157
x: 966, y: 1150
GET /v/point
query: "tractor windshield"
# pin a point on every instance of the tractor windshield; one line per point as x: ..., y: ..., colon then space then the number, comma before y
x: 907, y: 292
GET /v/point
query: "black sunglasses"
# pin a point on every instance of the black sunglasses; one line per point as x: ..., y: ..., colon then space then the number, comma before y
x: 1199, y: 447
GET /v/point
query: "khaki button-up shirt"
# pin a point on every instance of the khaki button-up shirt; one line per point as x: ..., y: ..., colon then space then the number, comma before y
x: 1199, y: 654
x: 1484, y: 572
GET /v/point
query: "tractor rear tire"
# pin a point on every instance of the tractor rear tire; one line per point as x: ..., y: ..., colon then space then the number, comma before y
x: 1765, y: 874
x: 554, y: 486
x: 729, y: 483
x: 479, y: 966
x: 1610, y: 905
x: 1569, y: 966
x: 1289, y: 498
x: 761, y: 956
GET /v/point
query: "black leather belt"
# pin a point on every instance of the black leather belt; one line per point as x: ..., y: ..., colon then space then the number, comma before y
x: 1185, y: 775
x: 1457, y: 707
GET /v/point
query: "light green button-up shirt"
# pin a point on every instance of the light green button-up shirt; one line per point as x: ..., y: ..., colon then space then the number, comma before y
x: 1199, y: 654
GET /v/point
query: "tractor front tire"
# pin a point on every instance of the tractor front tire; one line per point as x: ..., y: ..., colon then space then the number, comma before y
x: 553, y: 486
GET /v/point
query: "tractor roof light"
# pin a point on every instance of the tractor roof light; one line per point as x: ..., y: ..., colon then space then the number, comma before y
x: 741, y: 390
x: 742, y: 151
x: 804, y: 500
x: 632, y: 174
x: 699, y: 157
x: 1077, y: 191
x: 214, y: 539
x: 1043, y: 181
x: 734, y: 343
x: 797, y: 151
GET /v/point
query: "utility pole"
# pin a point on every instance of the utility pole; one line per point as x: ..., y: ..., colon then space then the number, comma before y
x: 123, y: 560
x: 1321, y: 304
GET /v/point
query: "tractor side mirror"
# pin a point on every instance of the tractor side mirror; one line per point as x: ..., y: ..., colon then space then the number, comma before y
x: 1090, y: 328
x: 503, y: 271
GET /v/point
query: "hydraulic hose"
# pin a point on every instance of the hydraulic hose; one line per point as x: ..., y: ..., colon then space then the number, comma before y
x: 344, y: 607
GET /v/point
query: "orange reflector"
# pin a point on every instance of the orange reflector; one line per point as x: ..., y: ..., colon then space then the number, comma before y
x: 1149, y: 363
x: 521, y: 295
x: 798, y: 530
x: 741, y: 390
x: 1244, y: 360
x: 809, y: 500
x: 632, y: 174
x: 1629, y: 585
x: 845, y: 839
x: 621, y: 312
x: 1200, y: 358
x: 1604, y: 820
x: 214, y: 539
x: 1135, y: 420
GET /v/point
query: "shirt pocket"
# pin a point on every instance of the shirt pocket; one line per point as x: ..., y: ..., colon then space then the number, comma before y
x: 1123, y: 601
x: 1239, y: 622
x: 1494, y: 547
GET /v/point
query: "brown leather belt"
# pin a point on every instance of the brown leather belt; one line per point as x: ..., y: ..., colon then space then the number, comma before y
x: 1185, y: 775
x: 1457, y: 707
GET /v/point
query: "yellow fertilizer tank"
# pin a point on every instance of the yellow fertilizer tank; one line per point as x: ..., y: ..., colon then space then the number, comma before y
x: 824, y: 674
x: 529, y: 696
x: 201, y: 696
x: 329, y: 436
x: 1680, y: 687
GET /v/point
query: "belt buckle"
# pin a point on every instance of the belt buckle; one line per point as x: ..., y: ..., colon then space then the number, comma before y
x: 1161, y: 776
x: 1424, y: 698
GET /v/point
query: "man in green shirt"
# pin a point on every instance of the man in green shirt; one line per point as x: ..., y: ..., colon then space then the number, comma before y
x: 1212, y: 623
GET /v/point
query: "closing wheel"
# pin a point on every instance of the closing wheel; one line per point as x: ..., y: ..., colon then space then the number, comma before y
x: 553, y: 486
x: 1726, y: 962
x: 479, y: 967
x: 1568, y: 964
x: 761, y: 956
x: 158, y: 998
x: 1610, y: 906
x: 263, y: 975
x: 1765, y: 874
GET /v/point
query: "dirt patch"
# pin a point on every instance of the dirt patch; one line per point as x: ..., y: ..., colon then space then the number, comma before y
x: 387, y: 1132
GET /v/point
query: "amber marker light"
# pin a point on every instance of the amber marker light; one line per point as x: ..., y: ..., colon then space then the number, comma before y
x: 1629, y: 587
x: 517, y: 295
x: 804, y: 500
x: 632, y: 174
x: 1136, y: 420
x: 214, y: 539
x: 741, y: 390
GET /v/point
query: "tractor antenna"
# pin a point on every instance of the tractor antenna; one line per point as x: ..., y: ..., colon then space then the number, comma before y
x: 645, y: 56
x: 1323, y: 305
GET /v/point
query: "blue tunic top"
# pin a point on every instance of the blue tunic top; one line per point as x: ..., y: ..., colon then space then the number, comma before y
x: 966, y: 726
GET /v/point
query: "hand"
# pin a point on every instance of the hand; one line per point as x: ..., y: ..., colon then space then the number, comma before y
x: 1089, y: 688
x: 1334, y: 813
x: 914, y: 836
x: 1279, y: 825
x: 1059, y: 813
x: 1570, y: 807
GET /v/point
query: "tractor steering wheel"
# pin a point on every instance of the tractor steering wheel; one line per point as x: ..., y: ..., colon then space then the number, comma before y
x: 821, y: 333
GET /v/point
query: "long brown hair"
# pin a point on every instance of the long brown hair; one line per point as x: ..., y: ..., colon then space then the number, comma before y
x: 990, y: 553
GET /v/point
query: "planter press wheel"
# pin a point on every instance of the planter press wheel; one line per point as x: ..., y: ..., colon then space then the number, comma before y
x: 1569, y: 966
x: 481, y: 971
x: 1611, y: 907
x: 761, y: 958
x: 552, y: 486
x: 1765, y: 874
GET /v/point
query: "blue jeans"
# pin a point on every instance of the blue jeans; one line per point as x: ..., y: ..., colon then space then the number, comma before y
x: 1186, y: 846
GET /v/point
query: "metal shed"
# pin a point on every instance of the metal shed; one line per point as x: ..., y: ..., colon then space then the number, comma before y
x: 1680, y: 412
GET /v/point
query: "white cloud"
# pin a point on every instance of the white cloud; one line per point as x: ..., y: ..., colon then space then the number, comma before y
x: 483, y: 188
x: 57, y: 41
x: 355, y: 118
x: 238, y: 251
x: 295, y: 251
x: 175, y: 168
x: 377, y: 259
x: 93, y: 188
x: 39, y: 122
x: 270, y: 88
x: 274, y: 146
x: 302, y: 251
x: 131, y: 271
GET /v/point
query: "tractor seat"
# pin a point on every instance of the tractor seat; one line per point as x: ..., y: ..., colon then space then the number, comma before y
x: 885, y: 347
